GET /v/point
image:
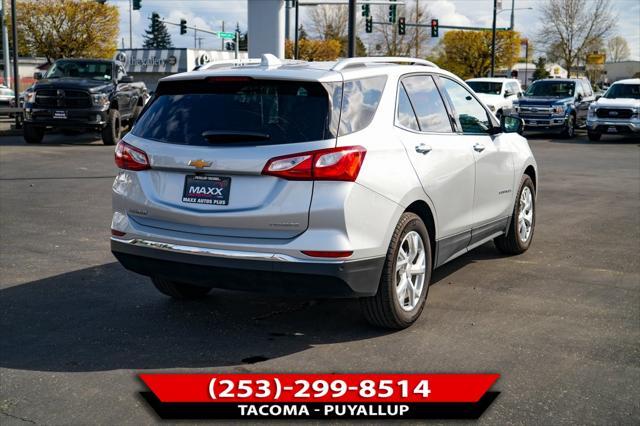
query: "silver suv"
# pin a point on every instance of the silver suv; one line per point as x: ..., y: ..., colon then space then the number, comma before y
x: 347, y: 179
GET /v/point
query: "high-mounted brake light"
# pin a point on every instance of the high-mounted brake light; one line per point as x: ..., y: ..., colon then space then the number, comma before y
x: 228, y: 79
x: 342, y: 164
x: 131, y: 158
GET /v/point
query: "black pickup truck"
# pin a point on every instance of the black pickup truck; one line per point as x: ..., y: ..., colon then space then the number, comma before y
x: 83, y: 95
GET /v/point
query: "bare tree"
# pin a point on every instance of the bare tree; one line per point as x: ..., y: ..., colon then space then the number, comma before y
x: 618, y: 49
x: 571, y: 27
x: 329, y: 21
x: 414, y: 41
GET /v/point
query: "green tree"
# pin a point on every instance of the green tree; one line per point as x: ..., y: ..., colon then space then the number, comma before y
x: 157, y: 36
x: 67, y: 28
x: 468, y: 53
x: 541, y: 70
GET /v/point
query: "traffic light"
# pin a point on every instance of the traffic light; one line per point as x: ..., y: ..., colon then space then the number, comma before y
x: 402, y: 28
x: 369, y: 24
x: 366, y: 10
x: 392, y: 13
x: 434, y: 28
x: 183, y: 26
x: 137, y: 4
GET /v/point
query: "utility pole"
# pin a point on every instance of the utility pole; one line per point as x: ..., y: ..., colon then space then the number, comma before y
x: 195, y: 37
x: 16, y: 74
x: 418, y: 19
x: 513, y: 5
x: 493, y: 38
x: 352, y: 28
x: 130, y: 25
x: 5, y: 44
x: 222, y: 45
x: 295, y: 42
x: 237, y: 44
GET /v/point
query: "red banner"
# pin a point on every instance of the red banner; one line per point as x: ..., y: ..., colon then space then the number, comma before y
x: 327, y: 388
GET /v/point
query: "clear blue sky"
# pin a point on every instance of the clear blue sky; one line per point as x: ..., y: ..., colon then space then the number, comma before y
x: 209, y: 14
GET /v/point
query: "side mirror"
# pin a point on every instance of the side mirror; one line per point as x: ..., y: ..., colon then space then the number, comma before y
x: 598, y: 96
x: 511, y: 124
x: 579, y: 97
x: 126, y: 79
x: 508, y: 93
x: 38, y: 75
x: 520, y: 94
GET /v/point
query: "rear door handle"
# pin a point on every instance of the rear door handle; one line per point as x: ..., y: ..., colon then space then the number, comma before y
x: 478, y: 147
x: 423, y: 149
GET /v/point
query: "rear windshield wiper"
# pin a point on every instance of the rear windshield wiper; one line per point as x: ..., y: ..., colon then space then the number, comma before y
x: 222, y: 136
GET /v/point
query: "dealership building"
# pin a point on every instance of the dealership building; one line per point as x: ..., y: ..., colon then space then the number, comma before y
x: 150, y: 65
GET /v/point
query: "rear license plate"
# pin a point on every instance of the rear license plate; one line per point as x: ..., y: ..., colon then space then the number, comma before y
x: 612, y: 130
x: 60, y: 114
x: 206, y: 190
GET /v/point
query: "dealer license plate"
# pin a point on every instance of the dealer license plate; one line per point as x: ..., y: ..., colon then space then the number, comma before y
x: 212, y: 190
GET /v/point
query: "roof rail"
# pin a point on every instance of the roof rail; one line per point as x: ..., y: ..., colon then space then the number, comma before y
x: 267, y: 60
x: 229, y: 63
x: 356, y: 62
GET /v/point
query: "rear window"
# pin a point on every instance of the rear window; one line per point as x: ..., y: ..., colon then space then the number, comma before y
x: 238, y: 110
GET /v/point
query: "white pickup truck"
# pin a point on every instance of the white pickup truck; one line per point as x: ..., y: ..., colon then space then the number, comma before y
x: 497, y: 93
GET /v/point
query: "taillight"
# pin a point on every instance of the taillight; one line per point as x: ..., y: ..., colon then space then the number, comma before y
x: 131, y: 158
x: 341, y: 163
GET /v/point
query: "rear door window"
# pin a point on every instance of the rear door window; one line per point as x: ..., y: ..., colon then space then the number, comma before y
x: 471, y: 114
x: 427, y: 103
x: 236, y: 110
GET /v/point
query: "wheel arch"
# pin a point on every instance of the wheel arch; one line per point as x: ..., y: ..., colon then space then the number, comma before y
x: 531, y: 172
x: 422, y: 209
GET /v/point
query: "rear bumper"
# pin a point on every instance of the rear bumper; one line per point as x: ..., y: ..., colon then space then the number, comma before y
x: 247, y: 271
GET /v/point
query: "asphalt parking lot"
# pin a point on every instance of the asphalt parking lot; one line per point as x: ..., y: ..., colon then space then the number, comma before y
x: 560, y: 323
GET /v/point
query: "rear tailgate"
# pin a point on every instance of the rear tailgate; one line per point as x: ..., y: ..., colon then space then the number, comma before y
x: 180, y: 192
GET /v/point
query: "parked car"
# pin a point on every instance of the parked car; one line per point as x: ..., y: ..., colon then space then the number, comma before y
x: 325, y: 179
x: 80, y: 95
x: 556, y: 105
x: 7, y: 98
x: 497, y: 93
x: 617, y: 112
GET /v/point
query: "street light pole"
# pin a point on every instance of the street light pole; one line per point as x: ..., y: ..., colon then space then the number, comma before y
x: 493, y: 38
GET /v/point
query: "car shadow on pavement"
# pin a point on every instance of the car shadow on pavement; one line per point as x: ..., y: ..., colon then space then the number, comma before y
x: 106, y: 318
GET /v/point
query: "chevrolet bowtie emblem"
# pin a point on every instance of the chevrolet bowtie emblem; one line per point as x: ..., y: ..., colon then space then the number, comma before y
x: 200, y: 164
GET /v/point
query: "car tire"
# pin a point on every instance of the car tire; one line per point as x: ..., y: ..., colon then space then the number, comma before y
x: 111, y: 132
x: 594, y: 136
x: 385, y: 308
x: 178, y: 290
x: 517, y: 240
x: 569, y: 130
x: 32, y: 134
